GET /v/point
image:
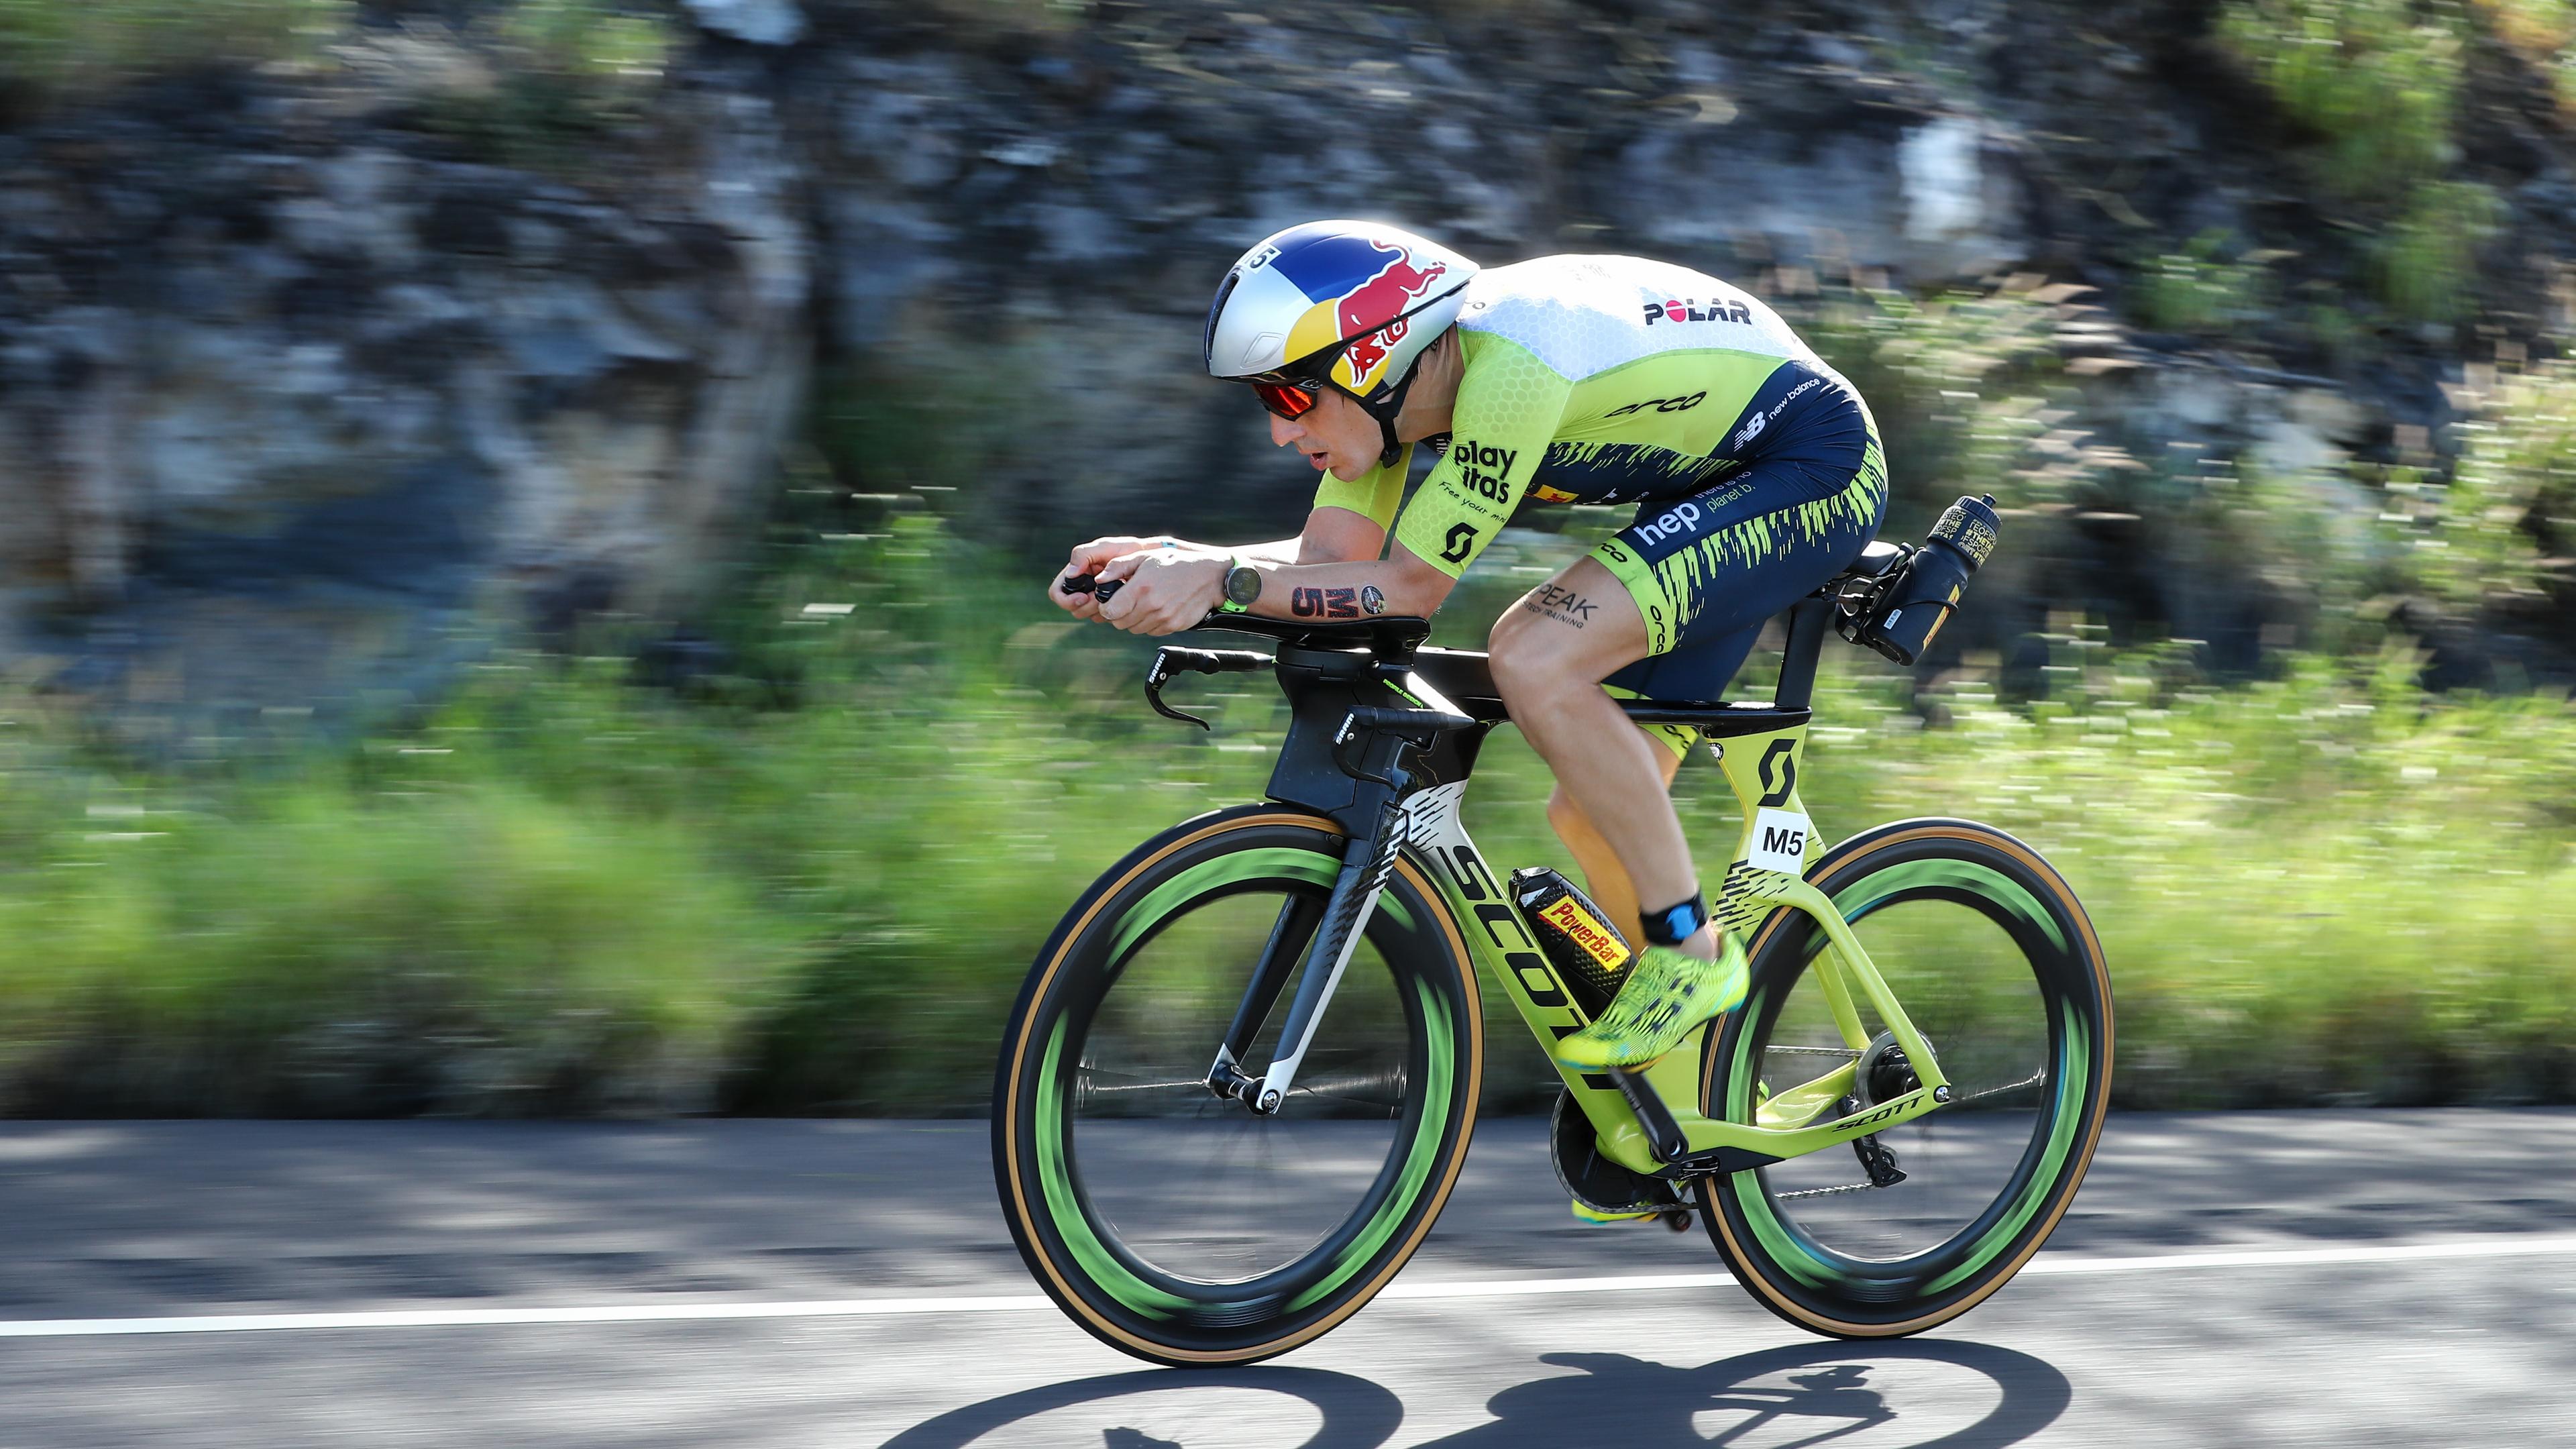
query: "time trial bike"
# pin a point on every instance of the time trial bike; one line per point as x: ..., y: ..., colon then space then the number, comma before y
x: 1238, y: 1084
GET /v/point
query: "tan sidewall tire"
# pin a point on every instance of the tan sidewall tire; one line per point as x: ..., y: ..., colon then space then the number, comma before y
x: 1746, y: 1258
x: 1012, y: 1169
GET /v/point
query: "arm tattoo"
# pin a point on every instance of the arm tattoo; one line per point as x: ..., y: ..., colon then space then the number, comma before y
x: 1329, y: 603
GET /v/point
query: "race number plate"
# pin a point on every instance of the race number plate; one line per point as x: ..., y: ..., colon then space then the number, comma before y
x: 1779, y: 841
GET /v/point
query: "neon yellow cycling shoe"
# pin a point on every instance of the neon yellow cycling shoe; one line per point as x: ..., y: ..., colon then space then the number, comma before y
x: 1666, y: 994
x: 1586, y: 1212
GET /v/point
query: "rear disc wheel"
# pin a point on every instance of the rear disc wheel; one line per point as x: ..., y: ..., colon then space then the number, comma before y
x: 2000, y: 972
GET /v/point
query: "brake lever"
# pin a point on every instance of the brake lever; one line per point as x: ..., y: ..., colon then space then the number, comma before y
x: 1174, y: 659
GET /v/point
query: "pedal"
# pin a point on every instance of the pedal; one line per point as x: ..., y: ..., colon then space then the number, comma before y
x: 1589, y: 954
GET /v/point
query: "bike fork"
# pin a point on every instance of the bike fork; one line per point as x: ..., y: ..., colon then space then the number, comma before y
x: 1365, y: 866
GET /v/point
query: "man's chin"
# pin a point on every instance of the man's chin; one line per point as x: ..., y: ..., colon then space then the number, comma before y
x: 1356, y: 473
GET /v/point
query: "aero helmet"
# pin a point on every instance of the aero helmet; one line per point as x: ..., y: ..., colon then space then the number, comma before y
x: 1350, y: 305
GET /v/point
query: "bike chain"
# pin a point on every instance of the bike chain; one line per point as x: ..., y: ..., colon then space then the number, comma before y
x: 2030, y: 1081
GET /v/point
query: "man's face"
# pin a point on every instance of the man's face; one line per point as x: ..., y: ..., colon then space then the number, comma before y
x: 1337, y: 434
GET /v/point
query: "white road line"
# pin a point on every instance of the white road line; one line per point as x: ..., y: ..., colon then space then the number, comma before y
x: 2046, y: 1263
x: 494, y: 1317
x: 2307, y: 1257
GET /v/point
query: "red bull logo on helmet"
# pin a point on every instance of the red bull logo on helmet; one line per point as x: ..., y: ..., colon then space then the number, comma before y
x: 1397, y: 288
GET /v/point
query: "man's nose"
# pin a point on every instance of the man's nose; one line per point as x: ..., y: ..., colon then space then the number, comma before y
x: 1284, y: 431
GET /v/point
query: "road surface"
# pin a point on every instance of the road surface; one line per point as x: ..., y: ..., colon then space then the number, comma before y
x: 2328, y: 1278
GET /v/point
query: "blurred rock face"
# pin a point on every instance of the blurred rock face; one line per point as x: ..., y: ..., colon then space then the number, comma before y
x: 278, y: 414
x: 286, y: 399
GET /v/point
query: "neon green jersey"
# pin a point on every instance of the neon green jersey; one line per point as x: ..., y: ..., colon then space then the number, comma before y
x: 1600, y: 380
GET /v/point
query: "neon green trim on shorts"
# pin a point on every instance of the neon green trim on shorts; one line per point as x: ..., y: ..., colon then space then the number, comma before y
x: 1676, y: 738
x: 1669, y: 593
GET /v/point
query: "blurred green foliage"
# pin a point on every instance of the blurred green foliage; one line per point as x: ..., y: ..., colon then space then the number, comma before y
x: 533, y: 83
x: 2375, y: 85
x: 2197, y: 290
x: 2427, y: 257
x: 2373, y: 81
x: 53, y: 49
x: 588, y: 37
x: 2505, y: 524
x: 810, y: 877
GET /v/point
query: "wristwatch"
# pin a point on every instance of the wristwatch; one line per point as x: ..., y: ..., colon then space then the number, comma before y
x: 1242, y: 586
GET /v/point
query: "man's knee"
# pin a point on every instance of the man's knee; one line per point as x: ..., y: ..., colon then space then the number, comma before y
x: 1518, y: 653
x: 1526, y: 657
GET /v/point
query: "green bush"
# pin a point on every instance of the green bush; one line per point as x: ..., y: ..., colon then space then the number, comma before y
x: 2374, y: 81
x: 533, y: 83
x: 329, y: 947
x: 2505, y: 525
x: 50, y: 49
x: 812, y: 880
x: 2193, y: 290
x: 2427, y: 258
x: 1966, y: 389
x: 589, y: 37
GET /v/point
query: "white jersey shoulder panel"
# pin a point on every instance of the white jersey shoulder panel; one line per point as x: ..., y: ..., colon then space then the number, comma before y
x: 1584, y: 315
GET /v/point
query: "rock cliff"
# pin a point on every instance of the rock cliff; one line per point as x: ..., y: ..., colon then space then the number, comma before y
x: 298, y: 397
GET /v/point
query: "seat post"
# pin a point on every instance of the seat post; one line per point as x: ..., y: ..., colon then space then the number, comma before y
x: 1808, y: 619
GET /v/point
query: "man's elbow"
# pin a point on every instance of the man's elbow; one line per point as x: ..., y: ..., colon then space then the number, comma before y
x: 1417, y: 588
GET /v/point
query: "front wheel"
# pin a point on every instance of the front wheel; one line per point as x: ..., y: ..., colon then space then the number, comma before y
x: 1180, y: 1226
x: 2001, y: 974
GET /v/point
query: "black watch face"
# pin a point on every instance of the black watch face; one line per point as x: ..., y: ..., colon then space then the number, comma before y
x: 1243, y: 585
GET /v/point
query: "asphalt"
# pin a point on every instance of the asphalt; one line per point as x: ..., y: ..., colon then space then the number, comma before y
x: 2329, y: 1278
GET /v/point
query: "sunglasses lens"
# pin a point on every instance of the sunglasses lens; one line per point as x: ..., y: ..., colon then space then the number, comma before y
x: 1284, y: 400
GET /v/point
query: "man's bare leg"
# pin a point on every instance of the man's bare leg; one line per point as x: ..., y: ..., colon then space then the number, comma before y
x: 1604, y: 878
x: 1550, y: 653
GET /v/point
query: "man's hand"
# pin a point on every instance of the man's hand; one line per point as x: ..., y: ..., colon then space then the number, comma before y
x: 1166, y: 590
x: 1091, y: 558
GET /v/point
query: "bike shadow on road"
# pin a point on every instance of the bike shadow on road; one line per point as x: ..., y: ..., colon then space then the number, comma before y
x: 1357, y: 1413
x: 1616, y: 1402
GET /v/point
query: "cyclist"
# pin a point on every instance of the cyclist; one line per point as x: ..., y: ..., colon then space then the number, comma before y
x: 1595, y: 379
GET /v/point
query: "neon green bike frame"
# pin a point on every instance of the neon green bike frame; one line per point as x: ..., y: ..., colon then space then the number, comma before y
x: 1762, y: 770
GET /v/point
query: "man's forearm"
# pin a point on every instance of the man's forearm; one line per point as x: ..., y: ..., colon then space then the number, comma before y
x: 1352, y: 590
x: 1282, y: 551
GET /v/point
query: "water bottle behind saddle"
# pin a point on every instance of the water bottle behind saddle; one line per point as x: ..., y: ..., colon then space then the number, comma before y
x: 1900, y: 616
